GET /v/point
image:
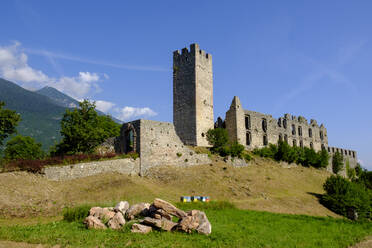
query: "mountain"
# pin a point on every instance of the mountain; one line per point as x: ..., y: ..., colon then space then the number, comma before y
x: 64, y: 100
x: 40, y: 115
x: 59, y: 98
x: 41, y: 111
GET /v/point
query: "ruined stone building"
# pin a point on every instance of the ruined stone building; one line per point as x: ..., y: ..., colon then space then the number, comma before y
x: 166, y: 143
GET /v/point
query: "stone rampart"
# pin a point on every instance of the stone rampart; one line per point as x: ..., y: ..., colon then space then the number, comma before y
x: 68, y: 172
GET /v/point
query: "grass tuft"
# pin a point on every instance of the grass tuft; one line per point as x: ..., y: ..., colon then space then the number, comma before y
x: 77, y: 214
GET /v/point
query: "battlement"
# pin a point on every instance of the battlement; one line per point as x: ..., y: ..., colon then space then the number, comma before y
x: 193, y: 51
x: 344, y: 152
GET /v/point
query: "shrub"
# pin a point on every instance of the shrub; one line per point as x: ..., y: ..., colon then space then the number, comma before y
x: 22, y: 147
x: 337, y: 162
x: 341, y: 195
x: 304, y: 156
x: 350, y: 171
x: 179, y: 154
x: 218, y: 138
x: 235, y: 150
x: 78, y: 213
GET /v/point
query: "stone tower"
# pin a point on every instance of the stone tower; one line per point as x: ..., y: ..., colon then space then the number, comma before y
x: 235, y: 121
x: 192, y: 95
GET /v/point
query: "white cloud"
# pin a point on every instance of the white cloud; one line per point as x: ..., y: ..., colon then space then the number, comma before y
x: 104, y: 106
x: 128, y: 113
x: 88, y: 77
x: 14, y: 67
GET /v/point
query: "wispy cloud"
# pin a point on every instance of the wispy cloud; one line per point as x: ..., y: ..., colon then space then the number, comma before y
x: 126, y: 113
x: 95, y: 62
x: 331, y: 72
x: 14, y: 66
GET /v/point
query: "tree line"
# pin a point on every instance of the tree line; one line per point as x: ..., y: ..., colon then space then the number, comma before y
x: 82, y: 130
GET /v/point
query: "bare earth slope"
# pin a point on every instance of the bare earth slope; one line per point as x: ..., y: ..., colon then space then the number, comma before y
x: 265, y: 185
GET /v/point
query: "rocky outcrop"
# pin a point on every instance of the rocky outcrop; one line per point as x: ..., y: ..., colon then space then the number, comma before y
x: 158, y: 215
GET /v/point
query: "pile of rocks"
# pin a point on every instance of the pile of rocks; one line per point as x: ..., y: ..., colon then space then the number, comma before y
x: 147, y: 216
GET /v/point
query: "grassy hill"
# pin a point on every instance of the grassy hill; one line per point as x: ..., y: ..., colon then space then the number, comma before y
x: 284, y: 194
x: 40, y: 115
x: 263, y: 186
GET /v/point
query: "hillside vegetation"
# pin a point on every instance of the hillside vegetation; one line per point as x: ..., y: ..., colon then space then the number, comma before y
x: 265, y: 185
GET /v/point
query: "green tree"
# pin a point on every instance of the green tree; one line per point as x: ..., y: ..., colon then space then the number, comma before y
x: 323, y: 158
x: 8, y: 121
x: 82, y: 129
x: 22, y: 147
x: 341, y: 195
x: 337, y: 162
x: 218, y: 138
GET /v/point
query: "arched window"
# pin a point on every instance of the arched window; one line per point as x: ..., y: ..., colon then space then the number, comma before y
x: 265, y: 142
x: 285, y: 123
x: 264, y: 125
x: 247, y: 122
x: 311, y: 145
x: 294, y: 142
x: 299, y: 130
x: 293, y: 129
x: 279, y: 122
x: 310, y: 133
x: 130, y: 139
x: 280, y: 138
x: 321, y: 135
x: 286, y: 138
x: 329, y: 149
x: 248, y: 138
x: 301, y: 144
x: 323, y: 147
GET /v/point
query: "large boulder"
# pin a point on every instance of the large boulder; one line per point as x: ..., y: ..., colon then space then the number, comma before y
x: 169, y: 208
x: 92, y: 222
x: 195, y: 220
x: 158, y: 213
x: 141, y: 209
x: 138, y: 228
x: 117, y: 221
x: 104, y: 214
x: 122, y: 207
x: 163, y: 224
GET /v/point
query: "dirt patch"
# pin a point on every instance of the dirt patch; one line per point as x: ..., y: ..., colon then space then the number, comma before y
x: 264, y: 185
x: 367, y: 243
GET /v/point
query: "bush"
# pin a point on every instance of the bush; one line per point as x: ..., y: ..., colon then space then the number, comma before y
x: 342, y: 195
x: 22, y: 147
x: 218, y: 138
x: 337, y: 162
x: 304, y: 156
x: 234, y: 149
x: 77, y: 214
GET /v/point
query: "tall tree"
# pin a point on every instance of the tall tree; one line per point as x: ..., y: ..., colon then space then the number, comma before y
x: 8, y: 121
x: 82, y: 129
x: 23, y: 147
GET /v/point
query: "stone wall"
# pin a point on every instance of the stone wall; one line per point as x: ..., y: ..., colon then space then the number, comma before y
x: 256, y: 130
x: 192, y: 95
x: 160, y: 145
x: 68, y: 172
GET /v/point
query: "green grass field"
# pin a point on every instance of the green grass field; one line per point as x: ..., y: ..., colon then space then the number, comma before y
x: 231, y: 227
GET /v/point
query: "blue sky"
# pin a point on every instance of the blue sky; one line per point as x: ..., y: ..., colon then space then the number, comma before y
x: 309, y: 58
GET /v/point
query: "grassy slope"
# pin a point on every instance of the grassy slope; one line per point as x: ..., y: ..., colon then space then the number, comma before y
x: 263, y: 186
x: 230, y: 228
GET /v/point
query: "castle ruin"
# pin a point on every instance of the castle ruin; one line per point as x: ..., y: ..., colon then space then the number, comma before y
x: 163, y: 143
